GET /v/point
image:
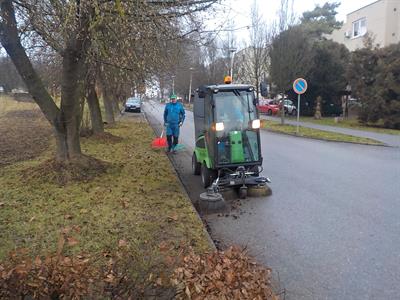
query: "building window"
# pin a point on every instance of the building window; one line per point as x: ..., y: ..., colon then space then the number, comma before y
x: 359, y: 27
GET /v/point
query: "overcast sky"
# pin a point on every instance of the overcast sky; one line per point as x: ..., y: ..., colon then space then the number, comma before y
x: 239, y: 11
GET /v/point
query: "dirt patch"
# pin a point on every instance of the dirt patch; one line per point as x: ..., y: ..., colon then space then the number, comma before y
x: 84, y: 169
x: 24, y: 135
x: 107, y: 138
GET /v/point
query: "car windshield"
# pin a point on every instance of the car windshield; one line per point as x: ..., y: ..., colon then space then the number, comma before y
x: 235, y: 109
x: 133, y: 101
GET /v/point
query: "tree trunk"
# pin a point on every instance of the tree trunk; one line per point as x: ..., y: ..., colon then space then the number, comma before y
x: 115, y: 105
x: 70, y: 115
x: 318, y: 113
x: 94, y: 108
x: 110, y: 119
x: 107, y: 100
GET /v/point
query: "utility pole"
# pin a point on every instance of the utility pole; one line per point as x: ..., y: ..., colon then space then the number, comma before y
x: 173, y: 84
x: 232, y: 50
x: 190, y: 83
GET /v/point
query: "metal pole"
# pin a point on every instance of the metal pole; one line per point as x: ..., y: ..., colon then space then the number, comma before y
x: 173, y: 85
x: 233, y: 56
x: 190, y: 85
x: 298, y: 114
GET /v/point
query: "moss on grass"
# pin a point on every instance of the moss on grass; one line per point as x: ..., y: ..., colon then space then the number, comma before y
x: 317, y: 134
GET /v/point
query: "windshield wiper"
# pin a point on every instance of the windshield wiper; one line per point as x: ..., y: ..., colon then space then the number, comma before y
x: 237, y: 93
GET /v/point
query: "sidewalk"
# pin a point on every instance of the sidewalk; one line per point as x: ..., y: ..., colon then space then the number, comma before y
x: 388, y: 139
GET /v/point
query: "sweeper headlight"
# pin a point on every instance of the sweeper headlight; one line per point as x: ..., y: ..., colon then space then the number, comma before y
x: 256, y: 124
x: 219, y: 126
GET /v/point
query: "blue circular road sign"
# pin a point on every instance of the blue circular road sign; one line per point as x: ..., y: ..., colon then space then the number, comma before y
x: 300, y: 86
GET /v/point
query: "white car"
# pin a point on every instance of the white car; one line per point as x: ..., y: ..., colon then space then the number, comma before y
x: 133, y: 104
x: 289, y: 106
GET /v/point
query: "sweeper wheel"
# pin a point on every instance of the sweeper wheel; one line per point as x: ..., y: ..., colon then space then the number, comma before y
x: 211, y: 202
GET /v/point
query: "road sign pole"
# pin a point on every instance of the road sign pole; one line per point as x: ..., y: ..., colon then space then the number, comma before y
x: 299, y: 87
x: 298, y: 113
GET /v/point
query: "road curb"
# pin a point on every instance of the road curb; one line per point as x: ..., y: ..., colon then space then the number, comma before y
x: 182, y: 186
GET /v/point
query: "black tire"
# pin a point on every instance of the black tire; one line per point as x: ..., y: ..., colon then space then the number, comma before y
x: 294, y: 112
x: 196, y: 166
x: 270, y: 112
x: 207, y: 176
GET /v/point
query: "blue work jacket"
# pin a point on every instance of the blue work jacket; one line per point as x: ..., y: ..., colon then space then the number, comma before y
x: 174, y: 113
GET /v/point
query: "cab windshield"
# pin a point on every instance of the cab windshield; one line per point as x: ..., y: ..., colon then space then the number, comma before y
x: 235, y: 109
x: 237, y: 141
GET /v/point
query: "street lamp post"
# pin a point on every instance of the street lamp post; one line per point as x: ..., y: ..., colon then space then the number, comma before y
x: 190, y: 83
x: 173, y: 84
x: 232, y: 50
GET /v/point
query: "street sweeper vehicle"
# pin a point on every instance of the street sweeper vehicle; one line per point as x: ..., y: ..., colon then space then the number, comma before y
x: 227, y: 133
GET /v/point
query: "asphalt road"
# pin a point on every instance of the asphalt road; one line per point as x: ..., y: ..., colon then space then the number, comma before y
x: 331, y: 229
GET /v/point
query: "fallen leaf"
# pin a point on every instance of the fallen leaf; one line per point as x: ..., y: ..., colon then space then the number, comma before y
x: 187, y: 292
x: 72, y: 241
x: 31, y: 219
x: 83, y: 211
x: 38, y: 261
x: 163, y: 246
x: 66, y: 230
x: 169, y: 260
x: 229, y: 277
x: 122, y: 243
x: 173, y: 217
x: 2, y: 204
x: 109, y: 278
x: 67, y: 217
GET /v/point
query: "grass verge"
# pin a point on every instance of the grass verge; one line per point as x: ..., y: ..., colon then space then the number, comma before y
x: 316, y: 134
x: 351, y: 124
x: 138, y: 203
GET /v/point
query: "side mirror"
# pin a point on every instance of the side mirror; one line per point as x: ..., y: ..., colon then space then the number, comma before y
x: 255, y: 101
x: 202, y: 94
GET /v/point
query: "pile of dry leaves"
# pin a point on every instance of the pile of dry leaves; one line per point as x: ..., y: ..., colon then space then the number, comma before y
x: 229, y: 274
x: 84, y: 276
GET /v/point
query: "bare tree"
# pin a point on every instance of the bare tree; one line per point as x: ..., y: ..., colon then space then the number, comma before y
x: 253, y: 60
x: 73, y: 29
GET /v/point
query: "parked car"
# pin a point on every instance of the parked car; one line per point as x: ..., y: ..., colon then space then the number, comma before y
x: 289, y: 107
x: 133, y: 104
x: 268, y: 106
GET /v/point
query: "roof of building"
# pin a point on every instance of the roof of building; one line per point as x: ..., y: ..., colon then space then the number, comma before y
x: 364, y: 7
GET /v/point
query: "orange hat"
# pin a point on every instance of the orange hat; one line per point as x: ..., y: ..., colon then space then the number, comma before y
x: 228, y: 79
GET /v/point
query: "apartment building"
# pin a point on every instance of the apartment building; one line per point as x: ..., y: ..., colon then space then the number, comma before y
x: 381, y: 19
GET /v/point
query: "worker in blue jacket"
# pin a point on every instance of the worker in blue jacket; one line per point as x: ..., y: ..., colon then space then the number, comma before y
x: 174, y: 115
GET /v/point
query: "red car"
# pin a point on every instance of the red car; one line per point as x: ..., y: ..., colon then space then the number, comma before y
x: 268, y: 106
